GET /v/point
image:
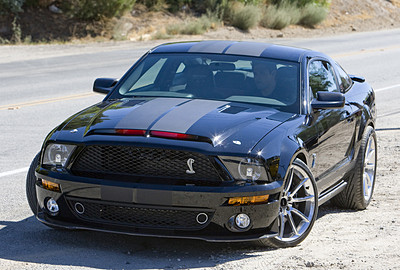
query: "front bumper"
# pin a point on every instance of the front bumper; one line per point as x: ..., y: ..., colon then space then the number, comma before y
x: 157, y: 210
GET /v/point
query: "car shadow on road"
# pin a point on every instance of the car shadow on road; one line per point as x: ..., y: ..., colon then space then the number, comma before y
x: 329, y: 208
x: 32, y: 242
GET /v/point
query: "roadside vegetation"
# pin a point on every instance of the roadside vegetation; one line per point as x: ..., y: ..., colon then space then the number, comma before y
x: 95, y: 17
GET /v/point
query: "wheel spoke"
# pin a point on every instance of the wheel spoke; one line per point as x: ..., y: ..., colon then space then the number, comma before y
x: 290, y: 180
x: 292, y: 224
x: 371, y: 152
x: 282, y: 225
x: 366, y: 185
x: 369, y: 166
x: 367, y: 180
x: 300, y: 214
x: 304, y: 199
x: 299, y: 186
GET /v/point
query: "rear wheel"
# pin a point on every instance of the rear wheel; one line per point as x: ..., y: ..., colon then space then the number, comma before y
x: 361, y: 183
x: 298, y: 209
x: 30, y: 185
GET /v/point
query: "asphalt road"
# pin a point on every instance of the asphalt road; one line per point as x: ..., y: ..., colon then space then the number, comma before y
x: 42, y: 85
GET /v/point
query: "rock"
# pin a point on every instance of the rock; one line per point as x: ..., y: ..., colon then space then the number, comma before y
x: 53, y: 8
x: 310, y: 264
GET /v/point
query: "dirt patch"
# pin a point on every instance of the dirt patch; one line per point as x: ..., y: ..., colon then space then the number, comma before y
x: 41, y: 25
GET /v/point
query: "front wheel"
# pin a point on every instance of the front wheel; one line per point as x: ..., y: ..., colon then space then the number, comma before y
x: 298, y: 207
x: 30, y: 185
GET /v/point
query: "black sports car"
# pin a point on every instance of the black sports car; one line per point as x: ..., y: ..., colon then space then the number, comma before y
x: 212, y: 140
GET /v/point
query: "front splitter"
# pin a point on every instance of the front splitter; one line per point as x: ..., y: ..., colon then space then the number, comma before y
x: 211, y: 238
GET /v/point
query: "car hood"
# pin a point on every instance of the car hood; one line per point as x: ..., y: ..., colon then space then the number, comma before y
x: 226, y: 124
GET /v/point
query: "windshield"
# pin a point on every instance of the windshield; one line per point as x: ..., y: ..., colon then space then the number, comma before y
x: 268, y: 82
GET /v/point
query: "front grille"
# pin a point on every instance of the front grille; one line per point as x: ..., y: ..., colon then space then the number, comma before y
x: 101, y: 161
x: 139, y: 217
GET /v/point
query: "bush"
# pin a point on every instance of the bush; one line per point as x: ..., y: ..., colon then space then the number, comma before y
x: 302, y: 3
x: 97, y: 9
x: 154, y: 5
x: 11, y: 6
x: 245, y: 17
x: 280, y: 16
x: 194, y: 27
x: 312, y: 15
x: 177, y: 5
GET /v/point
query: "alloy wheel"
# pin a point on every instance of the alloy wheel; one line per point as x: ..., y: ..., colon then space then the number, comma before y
x: 297, y: 207
x: 369, y: 168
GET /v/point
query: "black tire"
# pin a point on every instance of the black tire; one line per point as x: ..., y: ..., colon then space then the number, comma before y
x: 299, y: 197
x: 358, y: 192
x: 31, y: 185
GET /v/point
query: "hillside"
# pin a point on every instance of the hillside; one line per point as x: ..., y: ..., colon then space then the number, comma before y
x: 41, y: 25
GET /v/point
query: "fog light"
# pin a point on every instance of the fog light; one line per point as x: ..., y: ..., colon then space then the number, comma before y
x: 242, y: 221
x: 52, y: 206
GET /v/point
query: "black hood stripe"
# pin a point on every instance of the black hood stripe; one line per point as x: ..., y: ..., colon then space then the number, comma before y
x: 188, y: 114
x: 141, y: 117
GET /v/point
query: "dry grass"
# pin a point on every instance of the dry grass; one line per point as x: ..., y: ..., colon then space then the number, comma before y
x: 245, y: 17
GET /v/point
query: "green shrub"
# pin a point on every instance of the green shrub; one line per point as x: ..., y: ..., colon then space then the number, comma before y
x: 193, y: 27
x: 302, y: 3
x: 245, y: 17
x: 97, y: 9
x: 11, y: 6
x: 177, y: 5
x: 312, y: 15
x: 154, y: 5
x: 173, y: 29
x: 253, y: 2
x: 280, y: 16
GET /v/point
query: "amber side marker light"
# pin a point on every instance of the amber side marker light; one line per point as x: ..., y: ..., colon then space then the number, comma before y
x: 51, y: 186
x: 248, y: 200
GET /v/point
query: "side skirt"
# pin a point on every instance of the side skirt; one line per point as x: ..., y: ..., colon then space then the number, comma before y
x: 332, y: 192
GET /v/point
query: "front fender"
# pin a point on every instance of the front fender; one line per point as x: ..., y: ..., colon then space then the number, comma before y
x: 284, y: 144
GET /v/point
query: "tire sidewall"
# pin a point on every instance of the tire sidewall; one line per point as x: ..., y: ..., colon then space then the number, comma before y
x: 31, y: 185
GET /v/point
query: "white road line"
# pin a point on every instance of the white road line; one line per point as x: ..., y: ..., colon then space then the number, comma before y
x: 387, y: 88
x: 21, y: 170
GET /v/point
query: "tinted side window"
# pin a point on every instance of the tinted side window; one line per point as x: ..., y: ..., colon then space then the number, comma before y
x: 344, y: 79
x: 321, y: 77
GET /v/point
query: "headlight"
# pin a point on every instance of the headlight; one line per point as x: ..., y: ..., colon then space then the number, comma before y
x: 248, y: 169
x: 57, y: 154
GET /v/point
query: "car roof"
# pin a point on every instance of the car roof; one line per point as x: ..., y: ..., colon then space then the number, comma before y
x: 245, y: 48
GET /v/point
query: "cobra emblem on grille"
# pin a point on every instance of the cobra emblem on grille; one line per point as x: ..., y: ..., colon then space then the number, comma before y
x: 190, y: 162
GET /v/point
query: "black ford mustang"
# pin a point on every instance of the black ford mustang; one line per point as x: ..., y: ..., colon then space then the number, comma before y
x: 212, y: 140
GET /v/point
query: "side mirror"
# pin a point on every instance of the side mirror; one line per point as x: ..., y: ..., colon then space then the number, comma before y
x: 328, y: 100
x: 104, y: 85
x: 357, y: 78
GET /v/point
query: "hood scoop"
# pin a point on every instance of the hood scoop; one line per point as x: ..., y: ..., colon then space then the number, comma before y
x: 232, y: 109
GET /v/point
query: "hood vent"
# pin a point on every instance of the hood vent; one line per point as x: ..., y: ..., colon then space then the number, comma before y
x: 233, y: 109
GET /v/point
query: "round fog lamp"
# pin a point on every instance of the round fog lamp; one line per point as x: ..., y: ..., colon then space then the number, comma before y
x: 52, y: 206
x: 242, y: 221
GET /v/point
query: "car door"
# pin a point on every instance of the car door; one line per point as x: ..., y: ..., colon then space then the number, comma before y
x: 335, y: 127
